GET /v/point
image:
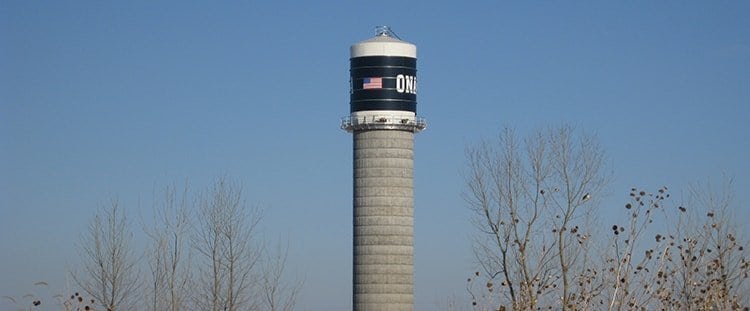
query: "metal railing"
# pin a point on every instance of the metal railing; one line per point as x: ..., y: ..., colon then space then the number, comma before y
x: 383, y: 122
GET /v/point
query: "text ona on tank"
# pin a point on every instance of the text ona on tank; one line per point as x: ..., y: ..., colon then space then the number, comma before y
x: 406, y: 84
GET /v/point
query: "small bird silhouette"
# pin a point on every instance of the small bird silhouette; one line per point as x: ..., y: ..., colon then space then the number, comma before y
x: 586, y: 197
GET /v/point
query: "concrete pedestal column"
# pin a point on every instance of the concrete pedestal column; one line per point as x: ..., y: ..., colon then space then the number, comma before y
x: 383, y: 220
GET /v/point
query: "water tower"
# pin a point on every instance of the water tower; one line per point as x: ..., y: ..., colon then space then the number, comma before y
x: 383, y: 120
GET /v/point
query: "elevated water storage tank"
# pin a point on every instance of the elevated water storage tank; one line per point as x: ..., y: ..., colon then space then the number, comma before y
x: 383, y: 74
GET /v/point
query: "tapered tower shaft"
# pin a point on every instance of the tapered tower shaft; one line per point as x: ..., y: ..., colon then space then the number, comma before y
x: 383, y: 220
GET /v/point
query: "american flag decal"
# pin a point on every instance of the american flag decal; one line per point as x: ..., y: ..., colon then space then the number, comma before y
x: 372, y: 83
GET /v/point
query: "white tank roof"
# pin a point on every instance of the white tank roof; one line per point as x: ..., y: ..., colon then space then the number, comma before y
x: 384, y: 45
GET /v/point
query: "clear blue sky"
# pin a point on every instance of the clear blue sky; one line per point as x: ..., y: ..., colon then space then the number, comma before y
x: 102, y: 99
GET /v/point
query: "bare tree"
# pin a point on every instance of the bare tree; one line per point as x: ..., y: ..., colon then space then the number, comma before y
x: 531, y: 199
x: 693, y: 259
x: 631, y: 278
x: 279, y: 294
x: 204, y: 254
x: 168, y: 256
x: 229, y: 253
x: 110, y: 273
x: 721, y: 283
